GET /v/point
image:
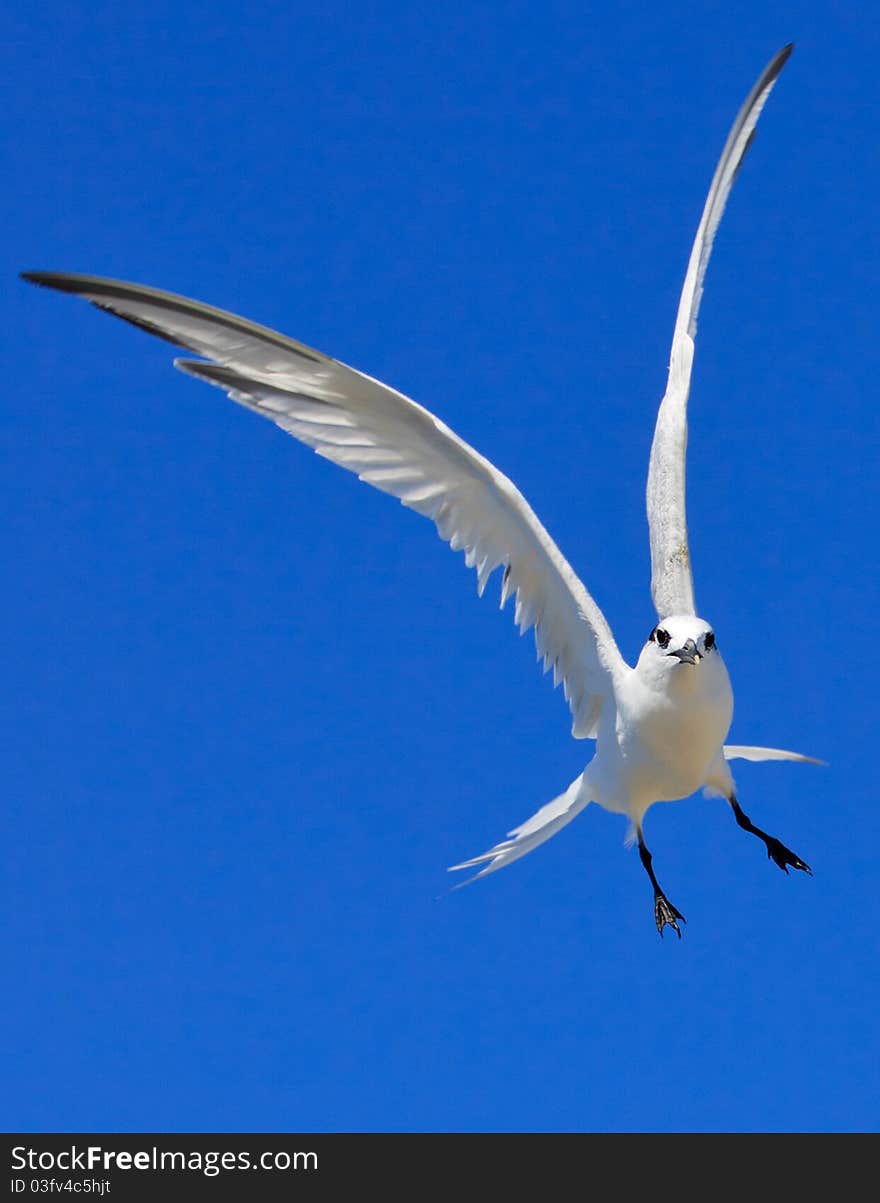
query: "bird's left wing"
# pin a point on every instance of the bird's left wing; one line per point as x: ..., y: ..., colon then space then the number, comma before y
x: 397, y: 446
x: 671, y: 580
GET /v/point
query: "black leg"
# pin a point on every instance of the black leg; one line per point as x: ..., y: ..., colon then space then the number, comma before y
x: 776, y: 850
x: 664, y: 911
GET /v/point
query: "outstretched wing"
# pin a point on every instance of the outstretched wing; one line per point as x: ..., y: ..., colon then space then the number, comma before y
x: 671, y: 581
x: 397, y: 446
x: 743, y: 752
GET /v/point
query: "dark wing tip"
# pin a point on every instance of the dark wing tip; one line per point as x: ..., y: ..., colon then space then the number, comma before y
x: 68, y: 282
x: 63, y: 281
x: 779, y: 60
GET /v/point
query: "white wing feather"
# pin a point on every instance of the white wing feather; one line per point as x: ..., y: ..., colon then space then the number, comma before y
x: 397, y: 446
x: 671, y: 579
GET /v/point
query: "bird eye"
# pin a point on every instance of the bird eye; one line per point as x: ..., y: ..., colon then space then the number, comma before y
x: 709, y: 642
x: 662, y: 637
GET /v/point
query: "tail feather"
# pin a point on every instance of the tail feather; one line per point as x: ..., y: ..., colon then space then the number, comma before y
x: 743, y: 752
x: 534, y: 831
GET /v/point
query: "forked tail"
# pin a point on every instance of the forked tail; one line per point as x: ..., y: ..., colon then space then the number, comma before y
x: 540, y: 827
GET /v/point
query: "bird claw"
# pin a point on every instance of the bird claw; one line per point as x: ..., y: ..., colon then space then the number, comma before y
x: 783, y: 857
x: 665, y: 913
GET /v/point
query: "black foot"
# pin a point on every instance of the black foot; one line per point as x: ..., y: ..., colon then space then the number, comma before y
x: 784, y: 857
x: 665, y: 912
x: 776, y: 850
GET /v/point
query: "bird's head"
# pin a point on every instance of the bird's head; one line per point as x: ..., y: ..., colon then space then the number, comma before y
x: 681, y: 641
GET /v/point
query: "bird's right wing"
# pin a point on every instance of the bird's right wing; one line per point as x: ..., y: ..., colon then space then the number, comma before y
x: 671, y: 579
x: 397, y: 446
x: 743, y: 752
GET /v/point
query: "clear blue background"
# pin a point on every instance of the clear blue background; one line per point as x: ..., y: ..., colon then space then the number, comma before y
x: 252, y: 709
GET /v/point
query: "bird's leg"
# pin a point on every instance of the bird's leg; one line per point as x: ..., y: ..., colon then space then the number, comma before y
x: 776, y: 850
x: 664, y: 911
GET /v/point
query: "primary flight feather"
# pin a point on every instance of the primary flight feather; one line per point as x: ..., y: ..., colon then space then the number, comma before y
x: 660, y: 726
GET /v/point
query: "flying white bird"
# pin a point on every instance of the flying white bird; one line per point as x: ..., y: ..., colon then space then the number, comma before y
x: 659, y: 727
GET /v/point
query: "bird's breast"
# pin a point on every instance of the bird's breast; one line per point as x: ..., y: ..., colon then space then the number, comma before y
x: 668, y: 736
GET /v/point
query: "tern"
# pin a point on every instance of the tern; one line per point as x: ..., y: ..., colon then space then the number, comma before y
x: 659, y: 728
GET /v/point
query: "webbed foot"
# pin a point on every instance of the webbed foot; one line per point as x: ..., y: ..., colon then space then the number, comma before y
x: 665, y: 913
x: 782, y: 856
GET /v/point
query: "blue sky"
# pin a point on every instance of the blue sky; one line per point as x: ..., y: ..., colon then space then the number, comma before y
x: 253, y: 709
